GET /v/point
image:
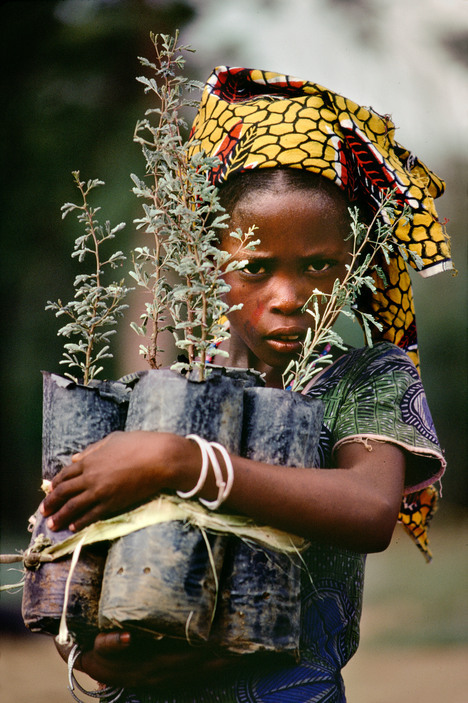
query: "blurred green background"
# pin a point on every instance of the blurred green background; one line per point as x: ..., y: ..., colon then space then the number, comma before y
x: 70, y: 102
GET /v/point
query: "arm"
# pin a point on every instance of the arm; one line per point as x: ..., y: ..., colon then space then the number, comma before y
x: 354, y: 505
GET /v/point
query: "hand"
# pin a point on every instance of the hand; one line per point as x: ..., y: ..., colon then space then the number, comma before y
x: 122, y: 470
x: 123, y: 659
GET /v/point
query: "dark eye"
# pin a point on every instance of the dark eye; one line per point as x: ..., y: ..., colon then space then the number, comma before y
x: 319, y: 265
x: 254, y: 268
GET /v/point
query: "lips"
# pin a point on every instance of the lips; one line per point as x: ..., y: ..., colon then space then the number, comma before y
x: 287, y: 340
x: 287, y: 334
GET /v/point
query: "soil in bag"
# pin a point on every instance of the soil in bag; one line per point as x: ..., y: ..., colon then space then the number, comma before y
x: 259, y: 602
x: 164, y: 578
x: 74, y: 417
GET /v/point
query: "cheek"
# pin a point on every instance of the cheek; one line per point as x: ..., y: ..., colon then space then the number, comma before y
x: 257, y: 312
x: 246, y: 318
x: 253, y: 314
x: 252, y: 306
x: 239, y: 292
x: 234, y: 295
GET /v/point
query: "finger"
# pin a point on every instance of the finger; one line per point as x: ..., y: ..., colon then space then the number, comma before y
x: 78, y: 456
x: 68, y: 472
x: 108, y: 644
x: 79, y: 509
x: 61, y: 494
x: 95, y: 513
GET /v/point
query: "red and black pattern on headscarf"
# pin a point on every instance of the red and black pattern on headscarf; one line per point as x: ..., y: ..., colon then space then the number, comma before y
x: 237, y: 85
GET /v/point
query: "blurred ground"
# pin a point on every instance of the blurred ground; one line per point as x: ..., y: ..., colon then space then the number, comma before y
x: 32, y: 672
x: 414, y: 644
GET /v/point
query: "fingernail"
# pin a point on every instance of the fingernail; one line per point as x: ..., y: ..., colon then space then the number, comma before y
x: 50, y: 523
x: 41, y: 508
x: 125, y: 638
x: 72, y: 527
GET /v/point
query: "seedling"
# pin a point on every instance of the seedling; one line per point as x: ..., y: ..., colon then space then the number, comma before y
x: 182, y: 268
x: 96, y: 307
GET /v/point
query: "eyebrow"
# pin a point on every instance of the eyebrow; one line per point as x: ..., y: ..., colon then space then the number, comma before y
x: 251, y: 255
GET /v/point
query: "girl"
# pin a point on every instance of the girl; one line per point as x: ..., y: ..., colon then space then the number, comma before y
x: 293, y: 157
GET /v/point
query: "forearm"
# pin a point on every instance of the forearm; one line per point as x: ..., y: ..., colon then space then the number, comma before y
x: 326, y: 505
x: 354, y: 506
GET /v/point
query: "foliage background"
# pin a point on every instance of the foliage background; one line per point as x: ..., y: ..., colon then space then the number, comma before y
x: 70, y: 101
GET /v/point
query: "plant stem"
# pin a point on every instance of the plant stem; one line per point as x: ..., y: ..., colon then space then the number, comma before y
x: 91, y: 229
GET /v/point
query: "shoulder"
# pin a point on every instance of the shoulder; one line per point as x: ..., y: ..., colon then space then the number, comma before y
x: 376, y: 392
x: 379, y: 356
x: 366, y: 365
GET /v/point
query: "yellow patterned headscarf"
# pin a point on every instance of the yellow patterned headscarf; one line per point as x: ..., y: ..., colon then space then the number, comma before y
x: 256, y: 119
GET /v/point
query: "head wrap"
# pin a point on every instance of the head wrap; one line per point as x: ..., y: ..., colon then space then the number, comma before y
x: 257, y: 119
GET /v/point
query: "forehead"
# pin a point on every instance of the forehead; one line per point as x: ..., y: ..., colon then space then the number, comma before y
x: 297, y: 219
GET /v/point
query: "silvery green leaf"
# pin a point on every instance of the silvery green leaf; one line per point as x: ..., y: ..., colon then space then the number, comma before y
x: 74, y: 348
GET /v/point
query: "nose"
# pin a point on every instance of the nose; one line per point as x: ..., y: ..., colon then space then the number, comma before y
x: 288, y: 296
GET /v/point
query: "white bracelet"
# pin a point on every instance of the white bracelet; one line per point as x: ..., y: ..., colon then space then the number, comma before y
x: 107, y: 694
x: 229, y: 469
x: 203, y: 444
x: 213, y: 504
x: 209, y: 458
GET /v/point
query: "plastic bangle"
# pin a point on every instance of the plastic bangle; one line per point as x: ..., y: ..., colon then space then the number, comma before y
x: 108, y: 694
x: 224, y: 487
x: 229, y: 468
x: 203, y: 444
x: 213, y: 504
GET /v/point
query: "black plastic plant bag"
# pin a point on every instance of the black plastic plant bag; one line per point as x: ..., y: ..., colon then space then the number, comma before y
x: 74, y: 416
x: 259, y: 603
x: 164, y: 578
x: 45, y: 587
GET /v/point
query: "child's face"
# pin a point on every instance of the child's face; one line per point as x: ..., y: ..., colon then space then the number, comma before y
x: 301, y: 247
